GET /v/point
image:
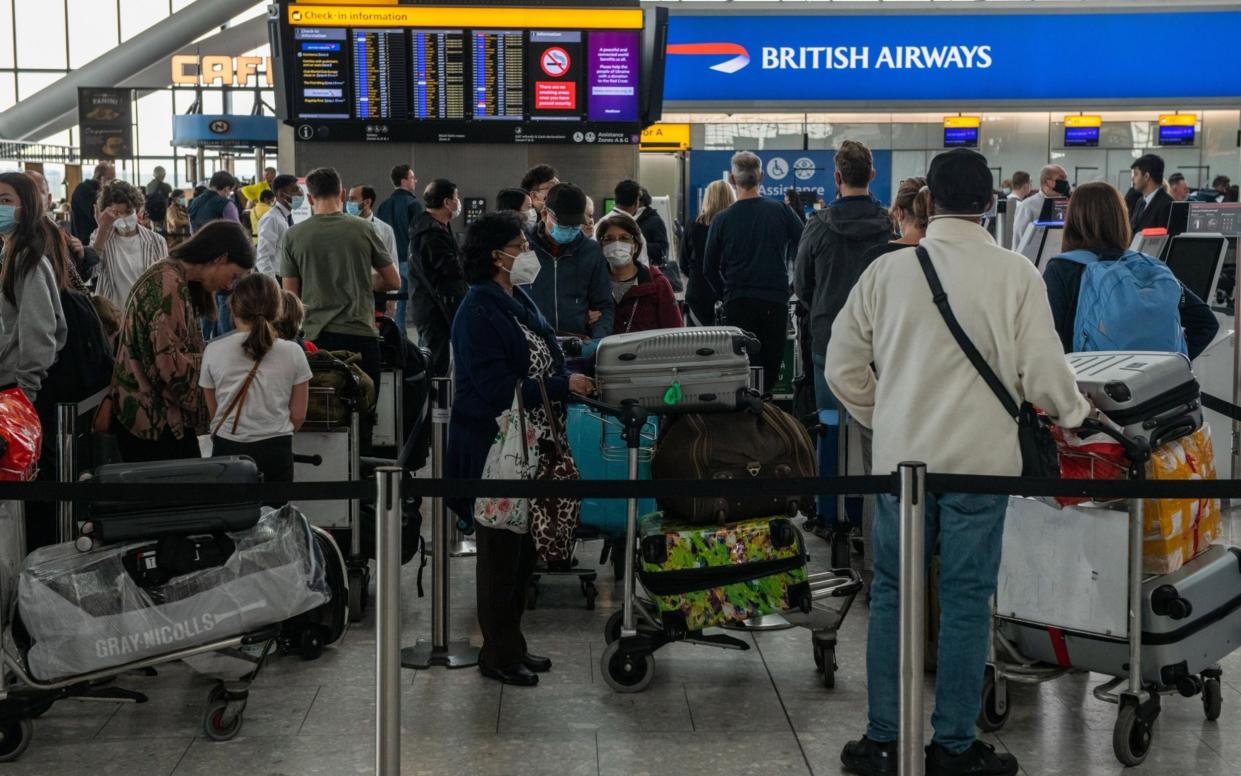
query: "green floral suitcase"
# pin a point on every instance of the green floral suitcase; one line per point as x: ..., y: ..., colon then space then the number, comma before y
x: 704, y: 576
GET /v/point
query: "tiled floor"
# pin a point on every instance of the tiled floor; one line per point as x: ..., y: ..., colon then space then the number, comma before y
x: 708, y: 711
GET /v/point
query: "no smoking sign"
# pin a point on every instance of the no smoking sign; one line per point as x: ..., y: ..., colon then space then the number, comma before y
x: 555, y: 62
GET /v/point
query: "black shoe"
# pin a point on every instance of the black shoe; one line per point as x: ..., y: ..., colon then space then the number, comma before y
x: 536, y: 663
x: 870, y: 758
x: 519, y: 676
x: 979, y: 760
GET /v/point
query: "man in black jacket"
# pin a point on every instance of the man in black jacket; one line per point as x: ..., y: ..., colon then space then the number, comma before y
x: 1154, y: 209
x: 82, y: 203
x: 399, y: 211
x: 829, y: 258
x: 437, y: 272
x: 629, y: 198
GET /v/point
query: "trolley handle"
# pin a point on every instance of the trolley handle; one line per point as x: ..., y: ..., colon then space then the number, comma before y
x: 312, y: 460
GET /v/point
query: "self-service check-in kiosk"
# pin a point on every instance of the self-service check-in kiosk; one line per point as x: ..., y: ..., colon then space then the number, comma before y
x: 1042, y: 239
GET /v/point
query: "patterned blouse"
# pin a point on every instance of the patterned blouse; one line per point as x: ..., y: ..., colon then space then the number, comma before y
x: 155, y: 383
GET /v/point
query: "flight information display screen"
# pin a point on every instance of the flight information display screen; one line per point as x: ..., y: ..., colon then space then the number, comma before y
x: 1176, y: 136
x: 399, y: 80
x: 960, y: 137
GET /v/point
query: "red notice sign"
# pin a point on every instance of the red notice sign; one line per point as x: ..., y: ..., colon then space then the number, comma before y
x: 555, y: 95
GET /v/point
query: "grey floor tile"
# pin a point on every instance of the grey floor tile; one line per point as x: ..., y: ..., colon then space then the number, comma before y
x: 743, y: 710
x: 270, y: 711
x: 560, y: 754
x: 281, y: 756
x: 1044, y: 753
x: 73, y: 721
x: 699, y: 754
x: 557, y: 709
x: 151, y: 757
x: 441, y: 704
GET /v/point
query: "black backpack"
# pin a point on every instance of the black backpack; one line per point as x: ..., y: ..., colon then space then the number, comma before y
x: 157, y: 207
x: 83, y: 366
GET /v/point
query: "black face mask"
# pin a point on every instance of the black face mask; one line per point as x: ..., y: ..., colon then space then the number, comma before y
x: 1062, y: 187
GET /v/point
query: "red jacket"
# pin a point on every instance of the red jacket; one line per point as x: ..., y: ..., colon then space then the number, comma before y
x: 650, y: 304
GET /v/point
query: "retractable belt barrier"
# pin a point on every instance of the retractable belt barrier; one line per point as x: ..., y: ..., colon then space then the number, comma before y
x: 469, y: 489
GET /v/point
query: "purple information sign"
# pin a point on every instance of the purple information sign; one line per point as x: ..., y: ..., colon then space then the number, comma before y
x: 612, y: 76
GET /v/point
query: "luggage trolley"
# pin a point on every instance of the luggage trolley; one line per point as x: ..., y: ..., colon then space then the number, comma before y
x: 328, y: 451
x: 1137, y: 685
x: 634, y: 633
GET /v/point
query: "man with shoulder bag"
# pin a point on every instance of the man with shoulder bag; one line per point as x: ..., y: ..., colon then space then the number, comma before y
x: 944, y: 351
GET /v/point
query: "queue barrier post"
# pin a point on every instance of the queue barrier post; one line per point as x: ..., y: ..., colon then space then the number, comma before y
x: 912, y: 757
x: 440, y: 651
x: 66, y: 465
x: 388, y: 622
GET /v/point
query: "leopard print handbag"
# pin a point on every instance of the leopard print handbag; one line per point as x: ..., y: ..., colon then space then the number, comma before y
x: 553, y: 521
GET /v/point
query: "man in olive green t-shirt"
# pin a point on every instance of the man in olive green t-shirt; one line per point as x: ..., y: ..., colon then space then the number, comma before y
x: 335, y: 262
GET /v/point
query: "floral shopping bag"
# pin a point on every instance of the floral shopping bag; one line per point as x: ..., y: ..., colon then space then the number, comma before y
x: 514, y: 455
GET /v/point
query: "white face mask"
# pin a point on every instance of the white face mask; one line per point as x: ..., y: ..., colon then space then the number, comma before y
x: 532, y: 218
x: 126, y: 223
x: 525, y: 268
x: 618, y: 254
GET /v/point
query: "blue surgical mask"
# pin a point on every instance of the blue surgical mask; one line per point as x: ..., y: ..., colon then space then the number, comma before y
x: 565, y: 234
x: 353, y: 208
x: 298, y: 202
x: 8, y: 219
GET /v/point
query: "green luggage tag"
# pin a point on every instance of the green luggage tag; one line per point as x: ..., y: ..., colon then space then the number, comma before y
x: 673, y: 395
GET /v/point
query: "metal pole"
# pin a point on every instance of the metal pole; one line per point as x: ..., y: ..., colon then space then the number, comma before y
x: 388, y: 622
x: 1236, y: 377
x: 66, y: 460
x: 1135, y: 595
x: 355, y: 471
x: 631, y: 541
x: 912, y: 760
x: 440, y: 651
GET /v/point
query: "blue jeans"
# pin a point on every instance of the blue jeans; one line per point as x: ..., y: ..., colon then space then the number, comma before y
x: 969, y: 531
x: 401, y: 303
x: 830, y: 466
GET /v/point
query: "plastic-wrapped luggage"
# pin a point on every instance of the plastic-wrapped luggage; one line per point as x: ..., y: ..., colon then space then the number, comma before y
x: 1176, y: 530
x: 86, y: 612
x: 21, y: 437
x: 601, y: 454
x: 702, y: 577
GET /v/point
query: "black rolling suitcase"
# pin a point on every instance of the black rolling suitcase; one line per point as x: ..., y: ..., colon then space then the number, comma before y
x: 130, y: 521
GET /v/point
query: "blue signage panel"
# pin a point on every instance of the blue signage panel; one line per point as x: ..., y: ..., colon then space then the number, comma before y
x: 198, y: 129
x: 971, y: 57
x: 784, y: 170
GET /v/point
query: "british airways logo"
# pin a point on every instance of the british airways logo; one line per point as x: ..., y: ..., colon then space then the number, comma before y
x: 842, y: 57
x: 737, y: 55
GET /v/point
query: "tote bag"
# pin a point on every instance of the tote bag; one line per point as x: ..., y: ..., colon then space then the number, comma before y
x: 514, y: 455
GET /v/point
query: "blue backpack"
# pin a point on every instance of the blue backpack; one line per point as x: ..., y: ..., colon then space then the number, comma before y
x: 1132, y: 303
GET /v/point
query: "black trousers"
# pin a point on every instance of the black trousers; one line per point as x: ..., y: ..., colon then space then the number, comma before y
x: 701, y: 300
x: 166, y: 448
x: 769, y: 323
x: 505, y: 564
x: 274, y: 456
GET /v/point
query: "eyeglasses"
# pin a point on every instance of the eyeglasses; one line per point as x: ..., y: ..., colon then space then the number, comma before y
x: 624, y: 238
x: 524, y: 245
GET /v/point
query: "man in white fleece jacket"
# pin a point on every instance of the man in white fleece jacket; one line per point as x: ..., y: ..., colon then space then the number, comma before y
x: 896, y: 367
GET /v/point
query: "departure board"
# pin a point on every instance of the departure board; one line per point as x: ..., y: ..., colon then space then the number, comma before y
x: 322, y: 73
x: 499, y: 75
x: 380, y: 75
x: 438, y: 60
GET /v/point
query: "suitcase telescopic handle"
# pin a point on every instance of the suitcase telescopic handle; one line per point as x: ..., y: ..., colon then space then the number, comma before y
x: 1136, y: 450
x: 630, y: 413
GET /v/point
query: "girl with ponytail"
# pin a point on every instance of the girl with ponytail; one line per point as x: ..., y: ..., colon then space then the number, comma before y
x: 255, y: 383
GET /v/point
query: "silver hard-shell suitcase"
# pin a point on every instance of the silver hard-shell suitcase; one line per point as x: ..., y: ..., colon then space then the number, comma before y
x: 1190, y: 621
x: 1152, y: 396
x: 711, y: 365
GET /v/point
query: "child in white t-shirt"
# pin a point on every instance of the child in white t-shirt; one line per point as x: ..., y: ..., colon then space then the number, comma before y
x: 256, y: 385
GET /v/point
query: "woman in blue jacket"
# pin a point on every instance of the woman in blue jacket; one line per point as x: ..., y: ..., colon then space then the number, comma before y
x: 500, y: 343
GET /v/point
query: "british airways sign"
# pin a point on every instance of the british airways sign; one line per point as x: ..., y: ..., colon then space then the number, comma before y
x: 1007, y: 57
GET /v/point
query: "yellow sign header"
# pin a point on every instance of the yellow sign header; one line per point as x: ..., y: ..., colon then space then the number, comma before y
x: 439, y: 17
x: 1178, y: 120
x: 665, y: 137
x: 962, y: 122
x: 1076, y: 122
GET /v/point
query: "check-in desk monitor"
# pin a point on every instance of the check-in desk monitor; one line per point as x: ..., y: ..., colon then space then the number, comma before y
x: 1152, y: 242
x: 1043, y: 238
x: 1196, y: 260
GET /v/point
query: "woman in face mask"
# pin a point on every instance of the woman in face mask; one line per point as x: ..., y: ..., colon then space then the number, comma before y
x: 177, y: 219
x: 125, y: 246
x: 502, y: 344
x: 643, y: 296
x: 33, y: 272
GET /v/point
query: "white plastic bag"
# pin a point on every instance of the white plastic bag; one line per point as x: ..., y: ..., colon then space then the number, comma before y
x: 514, y: 455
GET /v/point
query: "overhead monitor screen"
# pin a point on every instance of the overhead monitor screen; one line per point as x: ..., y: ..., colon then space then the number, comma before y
x: 960, y: 137
x: 1216, y: 218
x: 1196, y: 263
x: 1081, y: 137
x: 420, y: 73
x: 1176, y: 135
